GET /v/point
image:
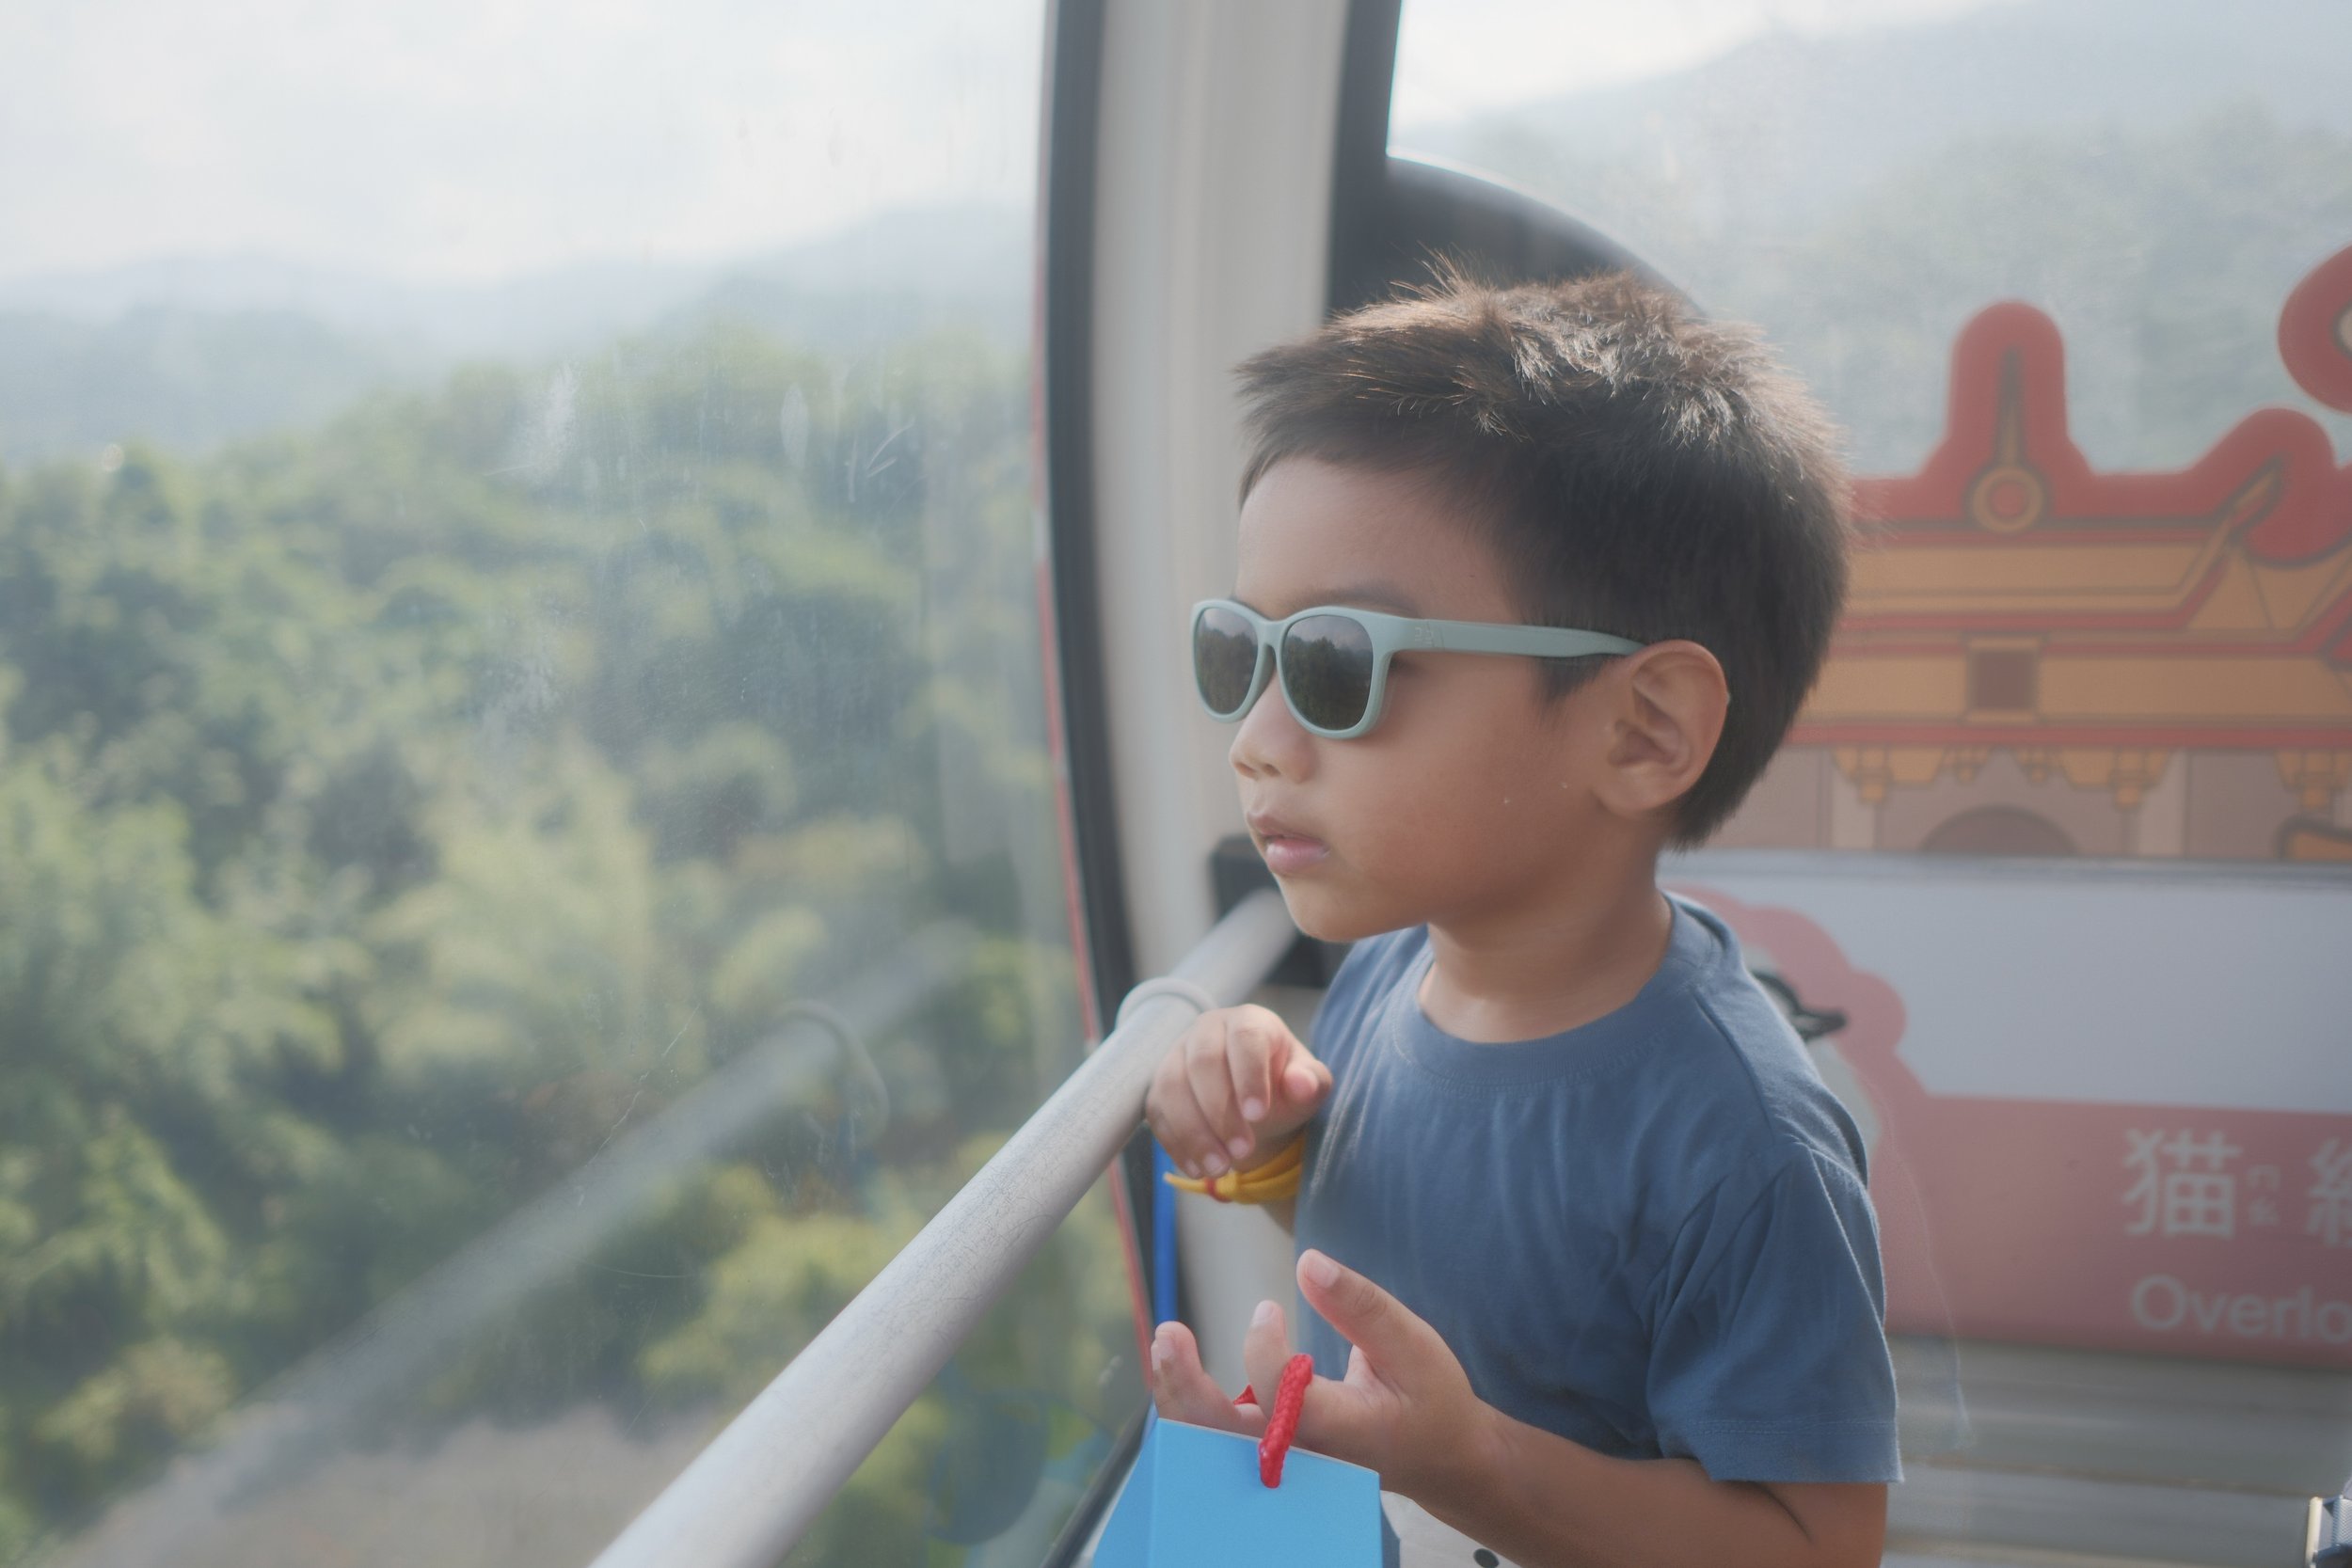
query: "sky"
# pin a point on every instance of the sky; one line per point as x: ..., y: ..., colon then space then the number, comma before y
x: 467, y: 140
x: 1449, y: 65
x: 471, y: 140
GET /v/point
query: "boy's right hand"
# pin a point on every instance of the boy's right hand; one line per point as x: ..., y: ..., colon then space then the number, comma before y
x: 1232, y: 1090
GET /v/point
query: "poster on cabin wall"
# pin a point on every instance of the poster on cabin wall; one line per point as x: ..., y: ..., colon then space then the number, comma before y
x: 2098, y: 1054
x: 2102, y: 1109
x: 2038, y: 658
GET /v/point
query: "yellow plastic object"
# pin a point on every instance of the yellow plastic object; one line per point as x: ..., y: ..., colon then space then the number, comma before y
x: 1277, y: 1177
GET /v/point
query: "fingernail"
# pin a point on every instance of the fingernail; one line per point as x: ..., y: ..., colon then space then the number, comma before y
x: 1239, y: 1146
x: 1264, y: 1315
x: 1216, y: 1163
x: 1159, y: 1356
x: 1192, y: 1168
x: 1320, y: 1269
x: 1251, y: 1109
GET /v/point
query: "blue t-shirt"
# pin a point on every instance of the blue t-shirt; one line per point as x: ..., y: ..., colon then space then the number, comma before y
x: 1649, y: 1235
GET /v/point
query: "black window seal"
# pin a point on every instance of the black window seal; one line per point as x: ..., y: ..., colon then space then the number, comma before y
x: 1359, y: 156
x: 1073, y: 115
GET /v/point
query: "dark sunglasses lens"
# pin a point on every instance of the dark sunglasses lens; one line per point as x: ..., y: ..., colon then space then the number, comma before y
x: 1327, y: 668
x: 1224, y: 659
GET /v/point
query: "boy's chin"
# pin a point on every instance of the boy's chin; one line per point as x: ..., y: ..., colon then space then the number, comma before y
x: 1325, y: 915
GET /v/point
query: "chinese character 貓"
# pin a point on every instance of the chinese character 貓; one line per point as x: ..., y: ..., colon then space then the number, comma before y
x: 2182, y: 1186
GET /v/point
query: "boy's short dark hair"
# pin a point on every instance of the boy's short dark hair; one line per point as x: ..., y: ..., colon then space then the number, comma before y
x: 1640, y: 470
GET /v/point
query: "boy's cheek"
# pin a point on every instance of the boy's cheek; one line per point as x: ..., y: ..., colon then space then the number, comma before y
x: 1401, y: 846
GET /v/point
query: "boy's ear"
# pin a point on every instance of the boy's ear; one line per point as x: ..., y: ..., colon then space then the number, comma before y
x: 1665, y: 718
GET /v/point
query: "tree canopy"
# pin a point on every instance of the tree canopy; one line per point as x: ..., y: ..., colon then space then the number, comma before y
x: 391, y: 814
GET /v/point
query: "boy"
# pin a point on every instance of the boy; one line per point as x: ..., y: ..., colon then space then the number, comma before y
x: 1594, y: 1227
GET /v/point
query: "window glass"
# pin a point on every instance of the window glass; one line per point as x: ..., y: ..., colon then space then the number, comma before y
x: 2077, y: 280
x: 529, y: 856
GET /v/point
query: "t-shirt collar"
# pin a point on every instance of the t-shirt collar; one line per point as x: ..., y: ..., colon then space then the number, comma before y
x: 1694, y: 943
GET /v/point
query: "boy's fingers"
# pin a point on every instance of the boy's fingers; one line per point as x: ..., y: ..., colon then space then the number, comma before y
x: 1343, y: 1421
x: 1353, y: 1418
x: 1211, y: 1083
x: 1392, y: 1338
x: 1337, y: 1418
x: 1184, y: 1392
x: 1304, y: 1079
x: 1236, y: 1070
x: 1175, y: 1120
x: 1250, y: 1056
x: 1265, y: 1350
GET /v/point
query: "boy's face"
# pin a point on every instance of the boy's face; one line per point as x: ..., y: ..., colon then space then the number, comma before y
x: 1470, y: 796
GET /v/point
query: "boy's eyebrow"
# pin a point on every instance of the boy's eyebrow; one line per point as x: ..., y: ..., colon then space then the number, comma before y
x: 1362, y: 595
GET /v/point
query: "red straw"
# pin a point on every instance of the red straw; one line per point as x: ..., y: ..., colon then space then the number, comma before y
x: 1282, y: 1425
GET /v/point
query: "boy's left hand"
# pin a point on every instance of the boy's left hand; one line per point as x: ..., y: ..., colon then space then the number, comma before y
x: 1406, y: 1408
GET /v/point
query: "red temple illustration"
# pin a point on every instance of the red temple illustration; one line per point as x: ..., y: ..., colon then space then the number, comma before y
x: 2041, y: 658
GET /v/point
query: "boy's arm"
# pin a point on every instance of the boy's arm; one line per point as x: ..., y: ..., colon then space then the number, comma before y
x: 1406, y: 1410
x: 1545, y: 1502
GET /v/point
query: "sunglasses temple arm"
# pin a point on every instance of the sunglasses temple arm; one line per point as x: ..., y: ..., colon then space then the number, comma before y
x: 1469, y: 637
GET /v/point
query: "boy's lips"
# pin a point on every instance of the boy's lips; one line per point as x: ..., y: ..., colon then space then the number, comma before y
x: 1285, y: 849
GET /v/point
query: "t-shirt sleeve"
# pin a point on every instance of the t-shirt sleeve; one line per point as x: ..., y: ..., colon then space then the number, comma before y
x: 1769, y: 1362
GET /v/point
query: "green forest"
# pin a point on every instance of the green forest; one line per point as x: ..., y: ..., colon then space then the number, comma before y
x: 393, y: 813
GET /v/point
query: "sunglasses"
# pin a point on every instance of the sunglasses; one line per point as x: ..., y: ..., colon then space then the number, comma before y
x: 1333, y: 662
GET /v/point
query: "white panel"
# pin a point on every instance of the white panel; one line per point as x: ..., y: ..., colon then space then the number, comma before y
x: 1213, y: 199
x: 2192, y: 985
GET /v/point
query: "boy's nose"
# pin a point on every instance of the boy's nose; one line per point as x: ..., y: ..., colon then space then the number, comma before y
x: 1269, y: 740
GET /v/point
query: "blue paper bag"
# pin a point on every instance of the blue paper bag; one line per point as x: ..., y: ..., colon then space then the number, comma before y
x: 1194, y: 1501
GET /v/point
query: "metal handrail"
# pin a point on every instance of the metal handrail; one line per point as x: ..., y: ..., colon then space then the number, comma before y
x: 748, y: 1496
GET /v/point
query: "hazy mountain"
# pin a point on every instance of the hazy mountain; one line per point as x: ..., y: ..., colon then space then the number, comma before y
x: 2155, y: 175
x: 1774, y: 132
x: 192, y: 351
x: 526, y: 315
x: 900, y: 274
x: 975, y: 253
x: 180, y: 377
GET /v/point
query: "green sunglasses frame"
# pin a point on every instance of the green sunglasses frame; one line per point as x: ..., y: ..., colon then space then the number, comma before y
x: 1389, y: 635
